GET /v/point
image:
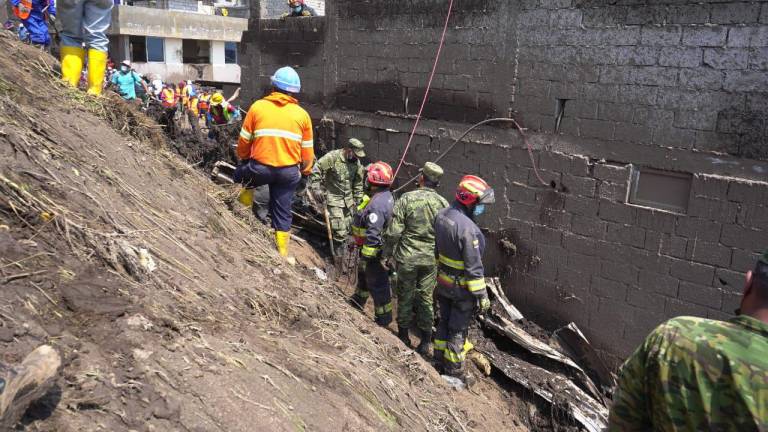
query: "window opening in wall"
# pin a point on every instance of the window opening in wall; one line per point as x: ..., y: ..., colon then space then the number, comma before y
x: 230, y: 52
x: 276, y: 8
x: 138, y: 48
x: 155, y: 49
x: 559, y: 113
x: 196, y: 51
x: 665, y: 190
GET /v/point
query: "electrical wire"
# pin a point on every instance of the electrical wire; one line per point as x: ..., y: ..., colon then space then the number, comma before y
x: 473, y: 127
x: 426, y: 91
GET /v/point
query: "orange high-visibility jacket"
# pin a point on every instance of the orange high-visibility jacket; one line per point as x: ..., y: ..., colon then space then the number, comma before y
x: 277, y: 132
x: 23, y: 9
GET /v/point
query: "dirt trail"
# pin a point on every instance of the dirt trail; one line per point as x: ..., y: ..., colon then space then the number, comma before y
x: 222, y: 335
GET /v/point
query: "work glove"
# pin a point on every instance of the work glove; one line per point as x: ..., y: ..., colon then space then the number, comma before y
x: 483, y: 304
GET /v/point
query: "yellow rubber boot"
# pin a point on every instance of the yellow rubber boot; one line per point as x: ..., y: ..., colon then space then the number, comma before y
x: 72, y: 59
x: 281, y: 240
x: 246, y: 197
x: 97, y: 68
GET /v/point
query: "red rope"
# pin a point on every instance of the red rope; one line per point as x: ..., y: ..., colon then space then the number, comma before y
x: 426, y: 91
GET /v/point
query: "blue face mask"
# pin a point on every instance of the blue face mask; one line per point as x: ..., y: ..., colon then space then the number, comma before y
x: 297, y: 9
x: 479, y: 209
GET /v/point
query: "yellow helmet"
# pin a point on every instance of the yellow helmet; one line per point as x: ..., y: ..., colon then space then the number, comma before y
x: 217, y: 99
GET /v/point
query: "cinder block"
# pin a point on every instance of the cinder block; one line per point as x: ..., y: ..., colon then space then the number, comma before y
x: 617, y: 212
x: 692, y: 272
x: 689, y: 14
x: 699, y: 78
x: 674, y: 308
x: 580, y: 205
x: 709, y: 186
x: 579, y: 244
x: 605, y: 288
x: 612, y: 191
x: 748, y: 192
x: 705, y: 36
x: 656, y: 220
x: 661, y: 35
x: 590, y: 227
x: 730, y: 58
x: 744, y: 238
x: 730, y: 13
x: 583, y: 186
x: 680, y: 57
x: 754, y: 216
x: 626, y: 234
x: 646, y: 300
x: 546, y: 235
x: 731, y: 302
x: 673, y: 245
x: 709, y: 253
x: 730, y: 281
x: 721, y: 211
x: 743, y: 261
x: 701, y: 295
x: 698, y: 229
x: 659, y: 283
x: 745, y: 81
x: 583, y: 263
x: 621, y: 272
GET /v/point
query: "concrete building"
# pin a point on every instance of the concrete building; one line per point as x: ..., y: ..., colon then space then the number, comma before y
x: 275, y: 8
x: 647, y: 124
x: 180, y: 39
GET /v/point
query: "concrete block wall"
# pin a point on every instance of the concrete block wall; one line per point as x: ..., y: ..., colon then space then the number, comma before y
x: 676, y: 74
x: 673, y: 85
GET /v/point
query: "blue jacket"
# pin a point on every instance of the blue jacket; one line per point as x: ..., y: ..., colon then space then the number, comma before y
x: 126, y: 83
x: 36, y: 25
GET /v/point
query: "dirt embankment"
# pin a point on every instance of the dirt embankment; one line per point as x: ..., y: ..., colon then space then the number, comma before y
x: 221, y: 335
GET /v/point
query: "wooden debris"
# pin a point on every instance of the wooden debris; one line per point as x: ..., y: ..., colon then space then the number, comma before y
x: 577, y: 347
x: 498, y: 292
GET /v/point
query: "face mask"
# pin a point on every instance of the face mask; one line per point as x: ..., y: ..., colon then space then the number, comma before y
x: 351, y: 157
x: 479, y: 209
x: 124, y: 68
x: 297, y: 9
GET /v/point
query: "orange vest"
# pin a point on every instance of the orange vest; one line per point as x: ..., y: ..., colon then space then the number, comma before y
x: 23, y: 10
x: 277, y: 132
x: 193, y: 105
x: 168, y: 98
x: 203, y: 104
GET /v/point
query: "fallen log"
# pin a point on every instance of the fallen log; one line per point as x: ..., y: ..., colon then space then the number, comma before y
x: 519, y: 336
x: 577, y: 347
x: 498, y: 292
x: 553, y: 388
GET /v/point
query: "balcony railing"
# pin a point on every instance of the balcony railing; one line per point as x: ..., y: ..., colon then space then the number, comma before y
x: 239, y: 9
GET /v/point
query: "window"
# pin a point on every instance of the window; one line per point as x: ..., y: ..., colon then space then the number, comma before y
x: 138, y: 46
x: 144, y: 49
x: 665, y: 190
x: 230, y: 52
x: 155, y: 49
x: 196, y: 51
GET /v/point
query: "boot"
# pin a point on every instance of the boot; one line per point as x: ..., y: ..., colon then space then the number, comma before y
x: 23, y: 384
x: 72, y: 59
x: 245, y: 197
x: 281, y: 240
x: 357, y: 302
x: 402, y: 333
x: 425, y: 344
x: 97, y: 68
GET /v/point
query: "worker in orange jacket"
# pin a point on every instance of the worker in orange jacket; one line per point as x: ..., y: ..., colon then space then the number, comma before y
x: 276, y: 149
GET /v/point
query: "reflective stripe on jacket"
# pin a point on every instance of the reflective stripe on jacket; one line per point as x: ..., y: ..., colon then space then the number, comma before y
x: 369, y: 224
x: 277, y: 132
x: 459, y: 246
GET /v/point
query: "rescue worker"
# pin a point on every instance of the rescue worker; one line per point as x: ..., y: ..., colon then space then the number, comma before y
x: 22, y: 384
x: 126, y: 81
x: 34, y: 15
x: 410, y: 243
x: 297, y: 8
x: 220, y: 111
x: 276, y: 148
x: 697, y: 374
x: 370, y: 221
x: 168, y: 101
x: 461, y: 292
x: 340, y: 173
x: 203, y: 105
x: 193, y: 112
x: 84, y: 22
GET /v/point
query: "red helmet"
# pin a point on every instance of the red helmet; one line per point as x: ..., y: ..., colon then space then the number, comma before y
x: 380, y: 174
x: 474, y: 190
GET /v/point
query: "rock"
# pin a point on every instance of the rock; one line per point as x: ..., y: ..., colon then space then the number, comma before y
x: 6, y: 334
x: 454, y: 382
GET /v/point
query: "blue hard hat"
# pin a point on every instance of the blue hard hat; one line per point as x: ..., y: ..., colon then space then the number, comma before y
x: 287, y: 79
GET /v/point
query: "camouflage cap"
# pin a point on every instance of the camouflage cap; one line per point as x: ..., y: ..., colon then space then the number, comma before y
x: 357, y: 147
x: 432, y: 171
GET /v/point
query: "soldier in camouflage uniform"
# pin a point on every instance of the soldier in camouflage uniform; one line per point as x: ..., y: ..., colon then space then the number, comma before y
x: 696, y: 374
x: 410, y: 240
x: 341, y: 174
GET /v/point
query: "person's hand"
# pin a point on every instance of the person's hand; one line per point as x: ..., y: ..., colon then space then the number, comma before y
x: 388, y: 264
x: 483, y: 304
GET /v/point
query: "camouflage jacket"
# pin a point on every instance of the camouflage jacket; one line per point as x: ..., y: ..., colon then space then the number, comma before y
x: 342, y: 180
x: 695, y: 374
x: 411, y: 234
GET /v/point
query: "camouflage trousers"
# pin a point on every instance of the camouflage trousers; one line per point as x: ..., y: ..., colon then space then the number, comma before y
x: 340, y: 219
x: 415, y: 285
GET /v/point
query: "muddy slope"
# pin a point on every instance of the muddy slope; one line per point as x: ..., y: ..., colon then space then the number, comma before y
x: 221, y: 335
